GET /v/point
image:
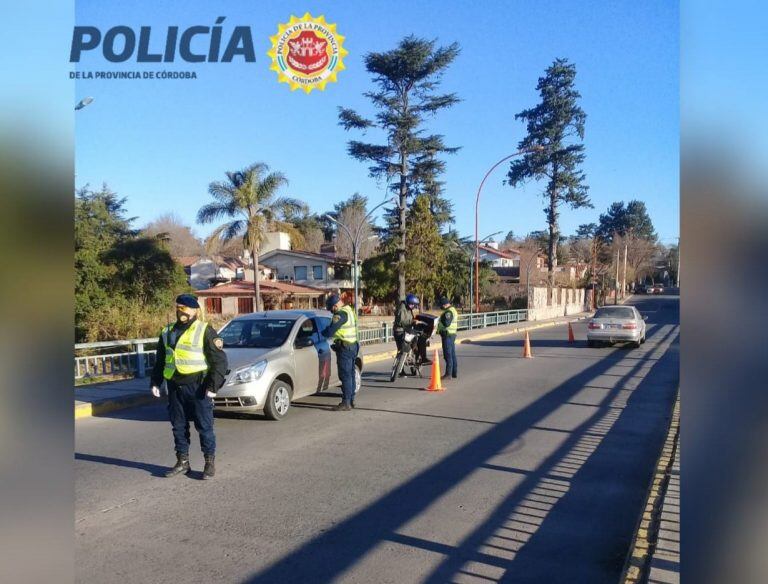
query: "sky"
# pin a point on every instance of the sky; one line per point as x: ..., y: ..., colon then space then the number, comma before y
x: 159, y: 143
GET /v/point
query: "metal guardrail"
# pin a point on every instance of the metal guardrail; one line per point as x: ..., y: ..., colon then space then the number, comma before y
x: 137, y: 360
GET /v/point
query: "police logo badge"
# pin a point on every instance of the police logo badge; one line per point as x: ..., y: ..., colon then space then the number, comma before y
x: 219, y: 342
x: 307, y: 53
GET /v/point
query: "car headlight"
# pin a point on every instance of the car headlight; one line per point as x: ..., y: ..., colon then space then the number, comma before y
x: 249, y: 373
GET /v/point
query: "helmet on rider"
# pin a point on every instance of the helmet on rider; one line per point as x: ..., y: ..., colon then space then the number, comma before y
x: 412, y: 301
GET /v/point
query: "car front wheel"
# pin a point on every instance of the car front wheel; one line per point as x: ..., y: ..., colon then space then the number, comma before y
x: 278, y: 400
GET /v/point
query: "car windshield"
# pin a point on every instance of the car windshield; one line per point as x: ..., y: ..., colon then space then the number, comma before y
x: 262, y: 333
x: 615, y: 312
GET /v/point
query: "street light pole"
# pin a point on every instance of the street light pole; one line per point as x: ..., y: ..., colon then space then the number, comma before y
x: 355, y: 241
x: 477, y: 273
x: 477, y: 204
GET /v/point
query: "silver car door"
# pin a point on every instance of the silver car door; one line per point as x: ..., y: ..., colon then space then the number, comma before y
x: 325, y: 355
x: 306, y: 360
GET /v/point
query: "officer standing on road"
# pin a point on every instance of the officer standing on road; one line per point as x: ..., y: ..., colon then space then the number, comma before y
x: 447, y: 327
x: 190, y: 358
x: 343, y: 331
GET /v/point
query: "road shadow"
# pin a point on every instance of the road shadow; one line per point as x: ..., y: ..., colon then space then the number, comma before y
x: 585, y: 550
x: 153, y: 469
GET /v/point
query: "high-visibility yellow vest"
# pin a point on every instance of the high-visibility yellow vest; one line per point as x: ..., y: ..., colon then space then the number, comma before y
x: 452, y: 328
x: 188, y: 356
x: 348, y: 331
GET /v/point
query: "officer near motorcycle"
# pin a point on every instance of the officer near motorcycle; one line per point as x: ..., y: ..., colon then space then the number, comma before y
x: 405, y: 321
x: 191, y: 361
x: 343, y: 331
x: 447, y: 327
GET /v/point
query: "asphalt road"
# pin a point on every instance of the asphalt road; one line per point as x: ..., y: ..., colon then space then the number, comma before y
x: 523, y: 470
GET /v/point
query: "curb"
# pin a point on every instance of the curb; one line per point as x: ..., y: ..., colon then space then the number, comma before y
x: 636, y: 566
x: 383, y: 356
x: 88, y: 410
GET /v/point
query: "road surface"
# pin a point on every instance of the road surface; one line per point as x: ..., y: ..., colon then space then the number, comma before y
x: 523, y: 470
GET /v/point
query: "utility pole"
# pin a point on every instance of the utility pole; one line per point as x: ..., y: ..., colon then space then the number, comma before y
x: 594, y: 275
x: 678, y: 264
x: 616, y: 289
x: 624, y: 279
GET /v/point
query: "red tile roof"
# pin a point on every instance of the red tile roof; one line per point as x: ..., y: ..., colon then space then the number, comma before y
x: 498, y: 252
x: 245, y: 288
x: 187, y: 261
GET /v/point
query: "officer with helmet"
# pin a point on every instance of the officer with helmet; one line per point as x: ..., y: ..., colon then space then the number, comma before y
x: 447, y: 327
x: 191, y: 361
x: 343, y: 331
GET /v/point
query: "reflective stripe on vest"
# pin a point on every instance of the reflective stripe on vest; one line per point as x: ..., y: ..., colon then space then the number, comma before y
x: 454, y: 326
x: 188, y: 356
x: 348, y: 331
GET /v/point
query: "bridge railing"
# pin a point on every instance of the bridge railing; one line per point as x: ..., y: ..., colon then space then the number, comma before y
x: 137, y: 356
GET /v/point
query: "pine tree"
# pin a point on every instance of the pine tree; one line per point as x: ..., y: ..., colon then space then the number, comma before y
x: 406, y: 78
x: 425, y: 264
x: 554, y: 127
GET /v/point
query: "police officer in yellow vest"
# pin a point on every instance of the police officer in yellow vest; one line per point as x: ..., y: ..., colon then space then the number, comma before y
x: 191, y: 360
x: 343, y: 331
x: 447, y: 327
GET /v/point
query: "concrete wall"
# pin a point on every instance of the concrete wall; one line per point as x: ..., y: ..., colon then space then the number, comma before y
x: 565, y: 301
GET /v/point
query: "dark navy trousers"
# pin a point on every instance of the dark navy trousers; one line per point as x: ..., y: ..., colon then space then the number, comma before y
x: 188, y: 403
x: 345, y: 359
x: 449, y: 352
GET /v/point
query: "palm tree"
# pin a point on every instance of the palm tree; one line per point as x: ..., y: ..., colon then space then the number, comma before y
x: 249, y: 198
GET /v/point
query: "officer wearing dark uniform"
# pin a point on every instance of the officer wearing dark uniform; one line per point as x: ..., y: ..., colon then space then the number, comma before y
x: 343, y: 331
x: 447, y: 327
x: 191, y: 360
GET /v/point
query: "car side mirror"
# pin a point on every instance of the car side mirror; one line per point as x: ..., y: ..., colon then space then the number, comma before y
x: 645, y: 317
x: 304, y: 342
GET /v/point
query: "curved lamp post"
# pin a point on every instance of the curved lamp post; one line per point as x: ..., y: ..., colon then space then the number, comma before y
x: 536, y: 148
x: 477, y: 273
x: 355, y: 240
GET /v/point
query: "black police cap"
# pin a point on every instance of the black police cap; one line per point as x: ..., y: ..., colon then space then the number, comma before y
x: 187, y: 300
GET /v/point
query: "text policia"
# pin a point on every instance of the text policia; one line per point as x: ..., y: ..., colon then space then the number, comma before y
x: 119, y: 44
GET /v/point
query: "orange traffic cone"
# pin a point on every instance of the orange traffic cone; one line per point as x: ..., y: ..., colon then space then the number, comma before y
x: 571, y: 338
x: 434, y: 383
x: 527, y: 347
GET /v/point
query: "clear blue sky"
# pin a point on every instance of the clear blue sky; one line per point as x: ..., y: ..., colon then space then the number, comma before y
x: 159, y: 143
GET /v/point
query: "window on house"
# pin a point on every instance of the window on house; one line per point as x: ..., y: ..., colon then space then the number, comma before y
x: 317, y: 272
x: 244, y: 305
x: 213, y: 305
x: 300, y: 272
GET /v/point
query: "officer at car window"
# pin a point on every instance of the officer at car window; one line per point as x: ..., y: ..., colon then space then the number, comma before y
x: 447, y: 327
x: 343, y: 331
x: 191, y: 360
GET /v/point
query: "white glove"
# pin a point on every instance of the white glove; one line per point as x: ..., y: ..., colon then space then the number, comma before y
x: 155, y: 391
x: 210, y: 394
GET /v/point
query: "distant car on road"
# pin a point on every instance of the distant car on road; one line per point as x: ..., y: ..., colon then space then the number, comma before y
x: 616, y: 324
x: 276, y: 357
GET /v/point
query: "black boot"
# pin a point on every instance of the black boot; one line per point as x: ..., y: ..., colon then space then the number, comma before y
x: 352, y: 403
x: 182, y: 465
x: 342, y: 407
x: 209, y: 469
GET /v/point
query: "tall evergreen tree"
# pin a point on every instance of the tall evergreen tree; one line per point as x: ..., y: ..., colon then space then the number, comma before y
x: 426, y: 262
x: 623, y: 220
x: 554, y: 126
x: 406, y: 80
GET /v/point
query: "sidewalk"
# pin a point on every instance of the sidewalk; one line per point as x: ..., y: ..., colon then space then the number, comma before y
x: 102, y: 398
x: 655, y: 553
